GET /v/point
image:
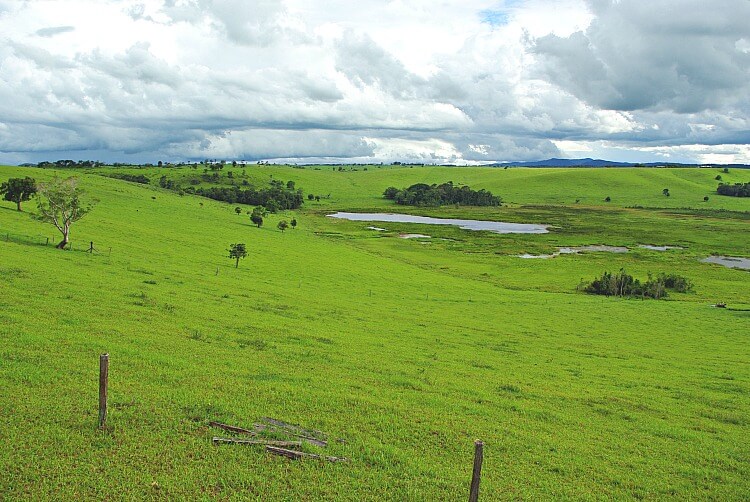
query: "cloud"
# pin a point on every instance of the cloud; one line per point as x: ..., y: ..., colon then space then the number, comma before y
x: 52, y: 31
x: 467, y: 81
x: 667, y: 55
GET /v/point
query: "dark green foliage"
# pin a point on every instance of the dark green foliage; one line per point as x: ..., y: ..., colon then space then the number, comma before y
x: 164, y: 182
x: 676, y: 282
x: 275, y: 198
x: 70, y: 163
x: 310, y: 196
x: 238, y: 210
x: 257, y: 216
x: 625, y: 285
x: 608, y: 199
x: 665, y: 192
x: 237, y: 251
x: 705, y: 199
x: 133, y: 178
x: 18, y: 190
x: 718, y: 177
x: 283, y: 225
x: 736, y: 190
x: 293, y: 223
x: 422, y: 194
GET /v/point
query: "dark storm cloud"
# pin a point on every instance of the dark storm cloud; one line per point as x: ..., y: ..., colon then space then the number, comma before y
x: 675, y: 55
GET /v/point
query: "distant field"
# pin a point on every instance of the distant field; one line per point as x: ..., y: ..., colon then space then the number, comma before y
x: 408, y: 349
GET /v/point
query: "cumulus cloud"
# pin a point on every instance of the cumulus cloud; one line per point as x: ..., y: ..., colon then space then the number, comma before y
x: 55, y: 30
x: 468, y: 81
x: 672, y: 54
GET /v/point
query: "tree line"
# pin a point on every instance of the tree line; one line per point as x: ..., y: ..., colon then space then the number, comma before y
x: 276, y: 197
x: 736, y: 190
x: 422, y: 194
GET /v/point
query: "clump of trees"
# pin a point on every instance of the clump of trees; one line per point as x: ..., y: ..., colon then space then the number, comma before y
x: 237, y: 251
x: 18, y: 190
x: 736, y: 190
x: 625, y: 285
x: 134, y: 178
x: 59, y: 202
x: 277, y: 196
x: 422, y: 194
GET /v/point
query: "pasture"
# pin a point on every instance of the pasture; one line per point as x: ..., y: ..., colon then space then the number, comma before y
x: 407, y: 349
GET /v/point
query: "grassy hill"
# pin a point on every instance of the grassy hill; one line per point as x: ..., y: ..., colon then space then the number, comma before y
x: 406, y: 349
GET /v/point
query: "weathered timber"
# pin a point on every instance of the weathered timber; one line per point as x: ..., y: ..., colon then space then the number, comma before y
x: 285, y: 444
x: 274, y: 428
x: 297, y: 455
x: 477, y: 473
x: 103, y: 384
x: 231, y: 428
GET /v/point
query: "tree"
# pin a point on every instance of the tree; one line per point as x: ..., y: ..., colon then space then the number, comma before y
x: 18, y: 190
x: 237, y: 251
x: 705, y: 199
x: 718, y: 177
x: 665, y: 192
x: 238, y: 210
x: 608, y: 199
x: 283, y: 225
x: 257, y: 219
x: 293, y: 223
x: 310, y: 196
x: 59, y: 203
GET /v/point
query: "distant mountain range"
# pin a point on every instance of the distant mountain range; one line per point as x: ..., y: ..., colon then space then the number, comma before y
x: 605, y: 163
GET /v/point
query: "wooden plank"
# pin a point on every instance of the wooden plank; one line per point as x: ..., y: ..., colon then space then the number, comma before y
x: 286, y: 444
x: 231, y: 428
x: 296, y: 428
x: 297, y: 455
x: 283, y: 430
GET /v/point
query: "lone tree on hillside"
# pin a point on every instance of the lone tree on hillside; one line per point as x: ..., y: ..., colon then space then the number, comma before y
x: 18, y: 190
x: 59, y: 203
x: 283, y: 225
x: 238, y: 210
x: 665, y: 192
x: 257, y: 217
x: 293, y: 223
x: 237, y: 251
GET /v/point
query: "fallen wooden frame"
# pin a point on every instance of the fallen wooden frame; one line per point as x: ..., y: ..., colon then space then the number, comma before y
x: 297, y: 455
x: 265, y: 442
x: 231, y: 428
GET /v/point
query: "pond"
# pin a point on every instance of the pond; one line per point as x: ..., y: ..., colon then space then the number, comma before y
x: 729, y: 261
x: 497, y: 227
x: 577, y: 250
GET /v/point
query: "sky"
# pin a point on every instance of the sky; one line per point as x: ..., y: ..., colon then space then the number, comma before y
x: 425, y: 81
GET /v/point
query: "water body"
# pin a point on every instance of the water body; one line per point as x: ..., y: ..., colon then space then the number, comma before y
x: 658, y: 248
x: 729, y: 261
x: 497, y: 227
x: 577, y: 250
x: 415, y: 236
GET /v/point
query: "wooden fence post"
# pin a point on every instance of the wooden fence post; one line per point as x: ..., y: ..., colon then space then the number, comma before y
x: 475, y: 477
x: 103, y: 383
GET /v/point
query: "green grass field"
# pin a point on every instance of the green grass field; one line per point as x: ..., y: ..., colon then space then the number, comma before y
x: 407, y: 349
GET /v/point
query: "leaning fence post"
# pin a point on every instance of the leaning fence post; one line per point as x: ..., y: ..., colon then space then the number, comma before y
x: 103, y: 383
x: 475, y: 477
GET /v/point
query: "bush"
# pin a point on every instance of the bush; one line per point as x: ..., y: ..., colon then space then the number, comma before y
x: 625, y: 285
